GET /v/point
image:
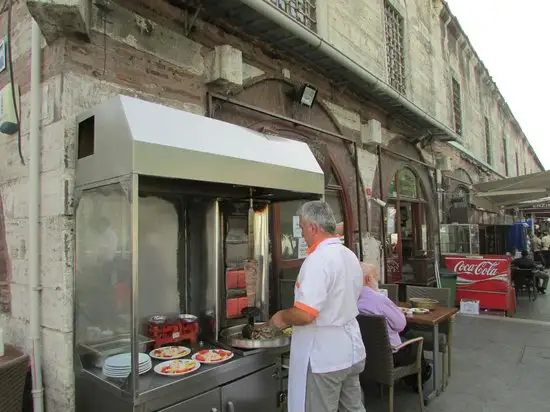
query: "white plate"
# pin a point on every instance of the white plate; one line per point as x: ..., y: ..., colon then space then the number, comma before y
x: 124, y: 360
x: 125, y: 374
x: 127, y: 370
x: 129, y: 367
x: 186, y: 352
x: 159, y: 367
x: 420, y: 311
x: 213, y: 362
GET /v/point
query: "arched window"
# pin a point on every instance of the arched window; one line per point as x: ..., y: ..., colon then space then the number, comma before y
x: 405, y: 185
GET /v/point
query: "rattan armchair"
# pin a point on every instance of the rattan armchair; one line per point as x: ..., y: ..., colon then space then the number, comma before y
x: 13, y: 374
x: 393, y: 291
x: 379, y: 364
x: 443, y: 295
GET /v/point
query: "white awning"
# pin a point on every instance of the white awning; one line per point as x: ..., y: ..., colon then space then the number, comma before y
x: 136, y: 136
x: 514, y: 190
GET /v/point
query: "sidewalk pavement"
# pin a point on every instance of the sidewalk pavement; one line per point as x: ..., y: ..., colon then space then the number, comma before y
x: 498, y: 364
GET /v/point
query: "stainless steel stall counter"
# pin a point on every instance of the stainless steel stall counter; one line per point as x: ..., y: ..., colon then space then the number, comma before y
x: 159, y: 257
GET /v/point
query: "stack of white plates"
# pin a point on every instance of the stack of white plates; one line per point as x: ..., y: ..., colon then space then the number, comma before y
x: 120, y: 366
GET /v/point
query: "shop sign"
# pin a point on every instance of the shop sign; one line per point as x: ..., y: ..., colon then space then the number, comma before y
x: 536, y: 206
x: 393, y: 269
x: 296, y: 230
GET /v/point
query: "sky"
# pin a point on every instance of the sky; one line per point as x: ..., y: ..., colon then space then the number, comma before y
x: 511, y: 38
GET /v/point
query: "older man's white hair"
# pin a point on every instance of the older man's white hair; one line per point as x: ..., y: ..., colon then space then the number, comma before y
x: 319, y: 213
x: 370, y: 270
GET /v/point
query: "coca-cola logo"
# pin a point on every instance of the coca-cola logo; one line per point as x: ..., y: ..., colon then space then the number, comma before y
x: 484, y: 268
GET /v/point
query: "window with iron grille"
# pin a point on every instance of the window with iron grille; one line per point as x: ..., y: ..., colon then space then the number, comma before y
x: 488, y: 145
x: 303, y: 11
x: 457, y: 107
x: 505, y: 149
x: 395, y: 50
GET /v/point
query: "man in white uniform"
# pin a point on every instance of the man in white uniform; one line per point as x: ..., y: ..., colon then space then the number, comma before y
x: 327, y: 352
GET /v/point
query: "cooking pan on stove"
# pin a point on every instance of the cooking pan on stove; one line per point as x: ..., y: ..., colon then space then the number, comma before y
x: 240, y: 336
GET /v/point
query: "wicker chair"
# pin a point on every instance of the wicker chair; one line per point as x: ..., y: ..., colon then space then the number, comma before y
x: 379, y: 364
x: 442, y: 295
x: 13, y: 374
x: 393, y: 291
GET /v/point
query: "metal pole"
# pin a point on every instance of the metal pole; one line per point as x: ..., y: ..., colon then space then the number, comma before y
x: 382, y: 211
x: 358, y: 194
x: 35, y: 286
x: 134, y: 210
x: 280, y: 117
x: 439, y: 215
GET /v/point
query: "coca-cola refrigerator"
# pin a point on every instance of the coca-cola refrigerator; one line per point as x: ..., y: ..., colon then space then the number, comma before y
x: 484, y: 278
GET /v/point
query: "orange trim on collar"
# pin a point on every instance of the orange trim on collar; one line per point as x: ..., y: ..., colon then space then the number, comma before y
x: 313, y: 247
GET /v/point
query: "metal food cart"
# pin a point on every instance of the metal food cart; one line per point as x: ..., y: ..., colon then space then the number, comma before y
x: 166, y: 205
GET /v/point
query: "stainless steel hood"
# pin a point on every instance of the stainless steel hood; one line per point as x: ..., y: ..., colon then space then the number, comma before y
x: 135, y: 136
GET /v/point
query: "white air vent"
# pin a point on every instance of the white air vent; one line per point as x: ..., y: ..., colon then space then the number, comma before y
x: 443, y: 162
x: 371, y: 133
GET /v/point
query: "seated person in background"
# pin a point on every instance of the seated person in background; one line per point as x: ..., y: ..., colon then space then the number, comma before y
x: 526, y: 263
x: 372, y: 302
x: 340, y: 229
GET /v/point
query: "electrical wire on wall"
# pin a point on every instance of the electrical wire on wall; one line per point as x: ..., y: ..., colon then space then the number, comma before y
x: 9, y: 64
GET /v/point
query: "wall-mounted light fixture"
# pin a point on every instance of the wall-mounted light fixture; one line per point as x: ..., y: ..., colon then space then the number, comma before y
x: 305, y: 95
x: 379, y: 202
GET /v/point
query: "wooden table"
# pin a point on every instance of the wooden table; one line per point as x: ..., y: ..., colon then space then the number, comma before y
x: 433, y: 318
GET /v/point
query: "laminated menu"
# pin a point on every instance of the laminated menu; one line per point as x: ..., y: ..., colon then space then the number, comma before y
x: 251, y: 272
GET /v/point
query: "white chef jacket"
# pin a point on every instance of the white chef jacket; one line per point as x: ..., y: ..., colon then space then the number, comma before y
x: 328, y: 286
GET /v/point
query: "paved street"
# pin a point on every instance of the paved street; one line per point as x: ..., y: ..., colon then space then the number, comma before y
x: 499, y: 364
x: 538, y: 310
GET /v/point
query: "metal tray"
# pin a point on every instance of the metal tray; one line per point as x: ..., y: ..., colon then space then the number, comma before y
x: 99, y: 350
x: 233, y: 337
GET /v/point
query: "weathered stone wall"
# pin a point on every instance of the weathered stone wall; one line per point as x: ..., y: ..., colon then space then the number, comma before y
x: 55, y: 215
x: 436, y: 50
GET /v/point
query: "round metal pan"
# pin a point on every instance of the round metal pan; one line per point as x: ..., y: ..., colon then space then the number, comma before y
x: 233, y: 337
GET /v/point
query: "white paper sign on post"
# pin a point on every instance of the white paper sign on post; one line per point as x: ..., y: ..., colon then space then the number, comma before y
x: 296, y: 231
x: 302, y: 248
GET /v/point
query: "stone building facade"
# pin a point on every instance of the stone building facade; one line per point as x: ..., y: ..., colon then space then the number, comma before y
x: 176, y: 56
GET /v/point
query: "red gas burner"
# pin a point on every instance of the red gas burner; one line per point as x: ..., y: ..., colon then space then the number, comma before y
x: 169, y: 331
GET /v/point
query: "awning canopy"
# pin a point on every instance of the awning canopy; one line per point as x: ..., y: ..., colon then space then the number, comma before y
x: 135, y: 136
x: 514, y: 190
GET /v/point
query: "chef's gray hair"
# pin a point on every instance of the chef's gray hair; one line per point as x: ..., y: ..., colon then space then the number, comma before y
x: 319, y: 213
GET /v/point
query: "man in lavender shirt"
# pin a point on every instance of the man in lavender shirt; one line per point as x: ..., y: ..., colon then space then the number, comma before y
x: 373, y: 302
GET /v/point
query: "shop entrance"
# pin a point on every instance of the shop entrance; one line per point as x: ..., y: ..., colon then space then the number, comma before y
x: 406, y: 223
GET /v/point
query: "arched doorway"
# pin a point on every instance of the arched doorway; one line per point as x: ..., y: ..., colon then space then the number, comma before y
x: 289, y: 249
x: 333, y: 154
x: 407, y: 222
